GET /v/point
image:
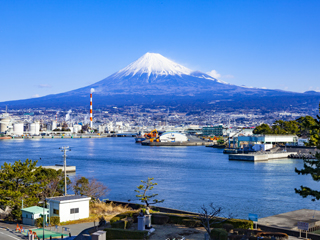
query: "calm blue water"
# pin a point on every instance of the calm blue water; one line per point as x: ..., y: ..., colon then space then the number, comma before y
x: 187, y: 177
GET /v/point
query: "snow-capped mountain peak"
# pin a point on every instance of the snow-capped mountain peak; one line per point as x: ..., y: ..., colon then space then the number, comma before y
x: 154, y: 63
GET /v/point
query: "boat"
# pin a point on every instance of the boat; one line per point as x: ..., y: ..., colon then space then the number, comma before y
x: 139, y: 138
x: 230, y: 151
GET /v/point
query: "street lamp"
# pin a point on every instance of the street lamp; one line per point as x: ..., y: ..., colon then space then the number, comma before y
x: 43, y: 219
x: 49, y: 213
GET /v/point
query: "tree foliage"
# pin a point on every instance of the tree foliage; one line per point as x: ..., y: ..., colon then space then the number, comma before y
x: 263, y: 129
x: 24, y: 181
x: 312, y: 166
x: 304, y: 127
x: 89, y: 187
x: 54, y: 182
x: 143, y: 190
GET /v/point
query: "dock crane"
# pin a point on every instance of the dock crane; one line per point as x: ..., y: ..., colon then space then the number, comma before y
x: 233, y: 136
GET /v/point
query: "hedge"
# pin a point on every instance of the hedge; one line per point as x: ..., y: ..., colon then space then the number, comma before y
x: 115, y: 233
x: 236, y: 223
x: 125, y: 223
x: 191, y: 223
x: 131, y: 214
x: 180, y: 219
x: 219, y: 234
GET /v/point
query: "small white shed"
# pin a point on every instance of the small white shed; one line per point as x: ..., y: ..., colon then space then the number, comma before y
x: 31, y: 214
x: 71, y: 207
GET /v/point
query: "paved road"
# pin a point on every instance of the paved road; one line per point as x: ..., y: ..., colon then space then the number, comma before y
x: 7, y: 235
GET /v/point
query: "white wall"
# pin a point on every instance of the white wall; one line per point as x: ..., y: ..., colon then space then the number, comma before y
x: 64, y: 210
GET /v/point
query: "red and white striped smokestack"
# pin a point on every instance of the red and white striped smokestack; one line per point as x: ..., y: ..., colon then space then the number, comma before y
x: 91, y: 91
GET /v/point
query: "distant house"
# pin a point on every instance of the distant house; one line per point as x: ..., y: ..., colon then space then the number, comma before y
x: 31, y: 214
x: 69, y: 208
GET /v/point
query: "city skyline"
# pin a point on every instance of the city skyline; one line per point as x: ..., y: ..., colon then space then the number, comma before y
x: 55, y: 47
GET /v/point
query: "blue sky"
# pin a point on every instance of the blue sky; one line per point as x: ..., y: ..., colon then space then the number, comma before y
x: 50, y: 47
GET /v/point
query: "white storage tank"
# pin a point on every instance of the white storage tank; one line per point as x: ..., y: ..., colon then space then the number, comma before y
x: 34, y: 128
x: 77, y: 128
x: 4, y: 124
x: 18, y: 129
x: 173, y: 137
x: 102, y: 128
x: 53, y: 125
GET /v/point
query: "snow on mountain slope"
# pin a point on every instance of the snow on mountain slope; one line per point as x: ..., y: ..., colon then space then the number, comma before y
x: 154, y: 74
x: 153, y: 63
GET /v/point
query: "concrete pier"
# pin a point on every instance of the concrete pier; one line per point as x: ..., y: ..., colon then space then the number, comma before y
x: 258, y: 157
x: 175, y: 143
x: 69, y: 169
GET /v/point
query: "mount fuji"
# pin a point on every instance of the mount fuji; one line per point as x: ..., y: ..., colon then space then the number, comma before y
x: 154, y: 79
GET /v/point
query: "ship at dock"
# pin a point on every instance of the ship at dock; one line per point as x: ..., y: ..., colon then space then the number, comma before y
x: 140, y: 137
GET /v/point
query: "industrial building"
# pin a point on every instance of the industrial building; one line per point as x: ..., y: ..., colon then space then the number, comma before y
x: 213, y: 131
x: 267, y: 140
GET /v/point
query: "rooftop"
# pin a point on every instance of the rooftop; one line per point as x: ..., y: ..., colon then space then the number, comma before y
x: 34, y: 209
x: 67, y: 198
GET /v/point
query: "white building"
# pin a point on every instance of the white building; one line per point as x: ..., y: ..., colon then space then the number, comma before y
x: 34, y: 128
x: 77, y: 128
x: 102, y: 128
x: 173, y: 137
x: 18, y: 128
x: 31, y: 214
x: 69, y: 208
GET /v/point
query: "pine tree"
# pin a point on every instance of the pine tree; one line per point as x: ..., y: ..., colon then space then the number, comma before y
x: 20, y: 181
x: 143, y: 189
x: 312, y: 166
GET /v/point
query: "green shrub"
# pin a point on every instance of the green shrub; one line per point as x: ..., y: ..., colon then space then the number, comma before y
x: 125, y: 223
x: 39, y: 222
x: 114, y: 233
x: 223, y: 235
x: 128, y: 214
x: 191, y: 222
x: 54, y: 221
x: 159, y: 219
x: 219, y: 234
x: 236, y: 223
x: 227, y: 226
x: 114, y: 219
x: 119, y: 224
x: 128, y: 221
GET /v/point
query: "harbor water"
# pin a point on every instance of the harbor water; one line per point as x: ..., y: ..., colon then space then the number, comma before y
x: 187, y: 177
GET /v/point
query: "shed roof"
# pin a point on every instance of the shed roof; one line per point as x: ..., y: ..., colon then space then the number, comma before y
x: 35, y: 210
x: 68, y: 198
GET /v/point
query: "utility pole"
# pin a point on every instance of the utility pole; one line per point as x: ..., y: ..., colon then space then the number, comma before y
x: 64, y: 150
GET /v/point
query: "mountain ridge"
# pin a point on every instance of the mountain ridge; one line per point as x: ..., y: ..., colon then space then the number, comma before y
x: 155, y: 79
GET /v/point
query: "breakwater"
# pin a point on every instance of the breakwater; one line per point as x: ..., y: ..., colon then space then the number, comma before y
x: 256, y: 157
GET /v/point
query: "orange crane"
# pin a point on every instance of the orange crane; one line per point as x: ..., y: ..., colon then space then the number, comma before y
x: 152, y: 134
